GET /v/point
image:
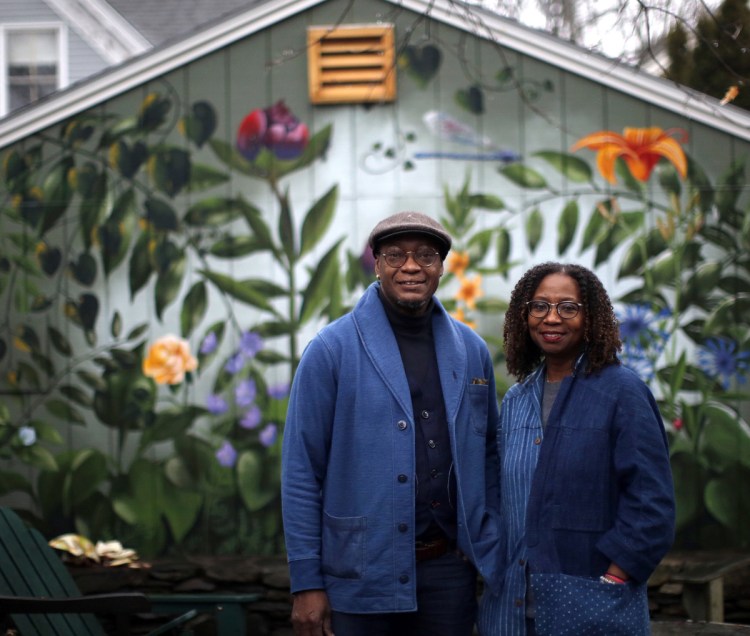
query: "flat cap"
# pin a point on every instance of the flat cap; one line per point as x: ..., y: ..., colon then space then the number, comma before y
x: 410, y: 223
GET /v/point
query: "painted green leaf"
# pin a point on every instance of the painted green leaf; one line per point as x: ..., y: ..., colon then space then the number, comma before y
x: 700, y: 184
x: 153, y: 112
x: 730, y: 312
x: 140, y: 266
x: 47, y: 432
x: 161, y: 215
x: 596, y: 229
x: 728, y: 498
x: 74, y: 394
x: 57, y: 194
x: 172, y: 262
x: 640, y: 251
x: 116, y: 233
x: 720, y: 237
x: 566, y: 226
x: 503, y: 250
x: 726, y: 437
x: 200, y: 124
x: 88, y: 311
x: 421, y: 63
x: 479, y: 244
x: 689, y: 478
x: 95, y: 206
x: 203, y: 177
x: 728, y: 189
x: 93, y: 380
x: 237, y: 289
x: 610, y: 242
x: 193, y: 308
x: 127, y: 159
x: 115, y: 326
x: 257, y: 224
x: 318, y: 220
x: 181, y: 509
x: 170, y: 423
x: 318, y: 288
x: 250, y: 473
x: 523, y: 176
x: 64, y: 411
x: 668, y: 178
x: 227, y: 154
x: 38, y: 457
x: 571, y: 167
x: 534, y: 228
x: 236, y: 246
x: 59, y: 341
x: 700, y: 286
x: 169, y: 169
x: 486, y: 202
x: 214, y: 211
x: 84, y: 269
x: 471, y: 99
x: 286, y: 229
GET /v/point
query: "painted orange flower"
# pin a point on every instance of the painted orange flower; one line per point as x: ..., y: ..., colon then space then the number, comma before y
x: 458, y: 262
x: 641, y: 148
x: 470, y: 290
x: 461, y: 317
x: 168, y: 360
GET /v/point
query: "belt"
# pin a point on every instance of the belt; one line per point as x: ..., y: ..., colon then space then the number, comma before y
x: 425, y: 550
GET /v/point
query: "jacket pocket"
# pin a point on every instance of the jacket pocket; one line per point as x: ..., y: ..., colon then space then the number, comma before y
x: 576, y: 606
x: 343, y: 546
x: 478, y: 396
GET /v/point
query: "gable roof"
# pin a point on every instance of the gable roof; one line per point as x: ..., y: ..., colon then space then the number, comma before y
x: 691, y: 104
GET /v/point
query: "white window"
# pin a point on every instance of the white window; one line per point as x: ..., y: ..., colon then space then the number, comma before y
x: 31, y: 64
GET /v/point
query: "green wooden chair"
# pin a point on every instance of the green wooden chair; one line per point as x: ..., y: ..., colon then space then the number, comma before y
x: 41, y: 598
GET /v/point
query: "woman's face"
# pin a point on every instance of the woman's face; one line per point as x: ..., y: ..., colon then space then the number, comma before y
x: 560, y: 339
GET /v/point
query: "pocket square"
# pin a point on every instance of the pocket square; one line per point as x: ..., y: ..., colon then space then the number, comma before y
x: 479, y: 381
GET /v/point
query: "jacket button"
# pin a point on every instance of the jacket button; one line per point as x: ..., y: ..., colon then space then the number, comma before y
x: 402, y: 479
x: 404, y: 578
x: 538, y: 441
x: 434, y: 473
x: 431, y: 443
x: 425, y: 415
x: 402, y: 527
x: 401, y: 425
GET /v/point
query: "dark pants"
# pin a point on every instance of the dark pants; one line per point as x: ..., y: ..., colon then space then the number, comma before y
x: 446, y: 604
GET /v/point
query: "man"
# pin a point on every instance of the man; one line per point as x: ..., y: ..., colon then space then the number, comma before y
x: 389, y: 490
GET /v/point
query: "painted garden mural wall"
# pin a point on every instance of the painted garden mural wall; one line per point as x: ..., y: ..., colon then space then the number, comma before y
x: 166, y: 256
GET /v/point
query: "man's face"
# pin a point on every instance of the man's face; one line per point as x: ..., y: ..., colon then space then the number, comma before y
x: 410, y: 287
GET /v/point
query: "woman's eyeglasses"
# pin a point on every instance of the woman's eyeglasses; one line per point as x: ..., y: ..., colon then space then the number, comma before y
x: 425, y: 257
x: 566, y: 309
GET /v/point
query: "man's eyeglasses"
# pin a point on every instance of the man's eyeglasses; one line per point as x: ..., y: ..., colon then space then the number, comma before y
x: 424, y: 256
x: 540, y: 308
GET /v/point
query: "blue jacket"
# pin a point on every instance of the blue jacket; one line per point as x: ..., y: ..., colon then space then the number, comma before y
x: 348, y: 462
x: 595, y: 487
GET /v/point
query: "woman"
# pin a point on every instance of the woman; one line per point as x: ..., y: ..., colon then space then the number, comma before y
x: 586, y: 489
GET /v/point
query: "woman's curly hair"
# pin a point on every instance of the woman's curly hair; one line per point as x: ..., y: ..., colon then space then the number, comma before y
x: 601, y: 329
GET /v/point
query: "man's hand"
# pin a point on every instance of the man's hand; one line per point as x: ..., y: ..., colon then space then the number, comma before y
x: 311, y: 614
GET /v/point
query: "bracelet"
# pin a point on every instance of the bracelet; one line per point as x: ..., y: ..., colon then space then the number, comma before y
x: 611, y: 579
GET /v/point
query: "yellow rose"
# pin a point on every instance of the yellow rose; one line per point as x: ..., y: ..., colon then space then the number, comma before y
x: 168, y: 360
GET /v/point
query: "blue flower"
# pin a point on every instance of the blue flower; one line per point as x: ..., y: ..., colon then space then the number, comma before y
x: 244, y: 393
x: 250, y: 344
x: 721, y: 361
x: 234, y: 364
x: 635, y: 321
x: 226, y: 455
x: 27, y: 435
x: 216, y: 404
x: 268, y: 435
x: 209, y: 343
x: 278, y: 391
x: 251, y: 418
x: 641, y: 364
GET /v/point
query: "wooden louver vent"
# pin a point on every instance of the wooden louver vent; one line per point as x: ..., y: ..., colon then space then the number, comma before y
x: 351, y: 64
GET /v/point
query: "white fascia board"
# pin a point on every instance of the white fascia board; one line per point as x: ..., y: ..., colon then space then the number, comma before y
x: 681, y: 100
x: 150, y: 65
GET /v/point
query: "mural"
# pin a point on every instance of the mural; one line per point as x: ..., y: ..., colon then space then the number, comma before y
x: 171, y: 439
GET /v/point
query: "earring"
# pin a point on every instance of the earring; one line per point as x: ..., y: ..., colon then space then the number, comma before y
x: 377, y: 276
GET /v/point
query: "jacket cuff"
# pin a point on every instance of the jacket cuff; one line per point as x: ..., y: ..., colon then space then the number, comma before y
x: 305, y: 574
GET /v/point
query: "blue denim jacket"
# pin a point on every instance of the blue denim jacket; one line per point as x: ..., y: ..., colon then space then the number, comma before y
x: 594, y: 487
x: 348, y: 466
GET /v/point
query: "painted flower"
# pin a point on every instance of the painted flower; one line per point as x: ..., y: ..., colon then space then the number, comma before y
x: 677, y: 424
x: 641, y: 148
x: 27, y: 435
x: 721, y: 361
x: 278, y: 391
x: 252, y: 418
x: 209, y: 344
x: 244, y: 393
x: 226, y: 455
x: 457, y: 263
x: 250, y: 344
x: 168, y: 360
x: 235, y: 363
x: 268, y: 435
x: 470, y: 290
x: 216, y: 404
x: 461, y: 317
x: 634, y: 321
x: 274, y: 128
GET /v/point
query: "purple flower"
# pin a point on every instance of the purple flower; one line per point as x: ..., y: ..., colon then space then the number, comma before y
x: 367, y: 261
x: 274, y: 128
x: 278, y: 391
x: 268, y: 435
x: 234, y: 364
x: 244, y: 393
x: 216, y: 404
x: 251, y: 418
x: 226, y: 455
x: 250, y: 344
x: 209, y: 343
x: 721, y: 361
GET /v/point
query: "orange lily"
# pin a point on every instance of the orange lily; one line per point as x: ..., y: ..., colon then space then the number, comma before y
x: 470, y: 290
x: 461, y: 317
x: 457, y: 263
x: 642, y: 148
